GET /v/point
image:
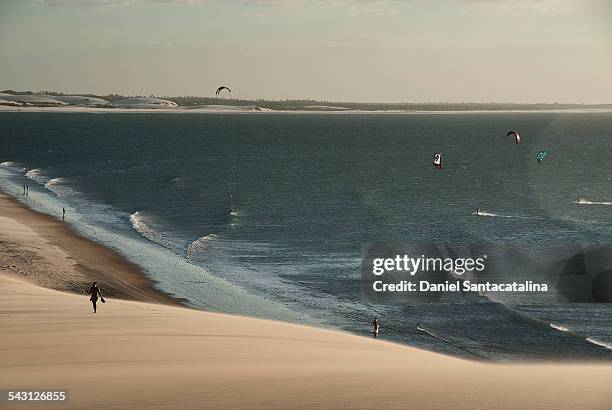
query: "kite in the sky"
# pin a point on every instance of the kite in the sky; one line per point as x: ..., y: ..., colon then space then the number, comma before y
x: 221, y: 89
x: 540, y: 155
x: 517, y: 137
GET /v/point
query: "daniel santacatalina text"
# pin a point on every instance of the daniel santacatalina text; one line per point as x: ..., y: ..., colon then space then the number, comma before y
x: 455, y: 266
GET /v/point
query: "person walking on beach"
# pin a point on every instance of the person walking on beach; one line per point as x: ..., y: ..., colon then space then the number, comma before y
x: 63, y: 214
x: 27, y: 191
x: 376, y: 325
x: 23, y: 189
x: 95, y: 292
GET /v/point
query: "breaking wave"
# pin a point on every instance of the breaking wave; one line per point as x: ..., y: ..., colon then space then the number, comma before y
x: 56, y: 186
x: 598, y: 343
x: 35, y: 175
x: 139, y: 224
x: 200, y: 246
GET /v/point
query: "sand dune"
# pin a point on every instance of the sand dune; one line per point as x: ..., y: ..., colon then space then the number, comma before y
x: 133, y: 354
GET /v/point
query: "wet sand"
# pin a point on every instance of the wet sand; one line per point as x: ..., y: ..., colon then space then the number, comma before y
x: 44, y: 250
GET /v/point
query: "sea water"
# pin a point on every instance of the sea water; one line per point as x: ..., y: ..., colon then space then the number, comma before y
x: 268, y: 214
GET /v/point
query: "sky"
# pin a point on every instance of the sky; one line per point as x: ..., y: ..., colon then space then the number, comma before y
x: 336, y: 50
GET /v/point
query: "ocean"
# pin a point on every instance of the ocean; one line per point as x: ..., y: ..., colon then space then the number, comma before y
x: 270, y: 214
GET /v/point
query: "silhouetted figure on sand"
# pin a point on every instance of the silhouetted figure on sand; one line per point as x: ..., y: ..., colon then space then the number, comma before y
x: 63, y: 214
x: 23, y: 189
x: 376, y: 325
x: 27, y: 190
x: 95, y: 292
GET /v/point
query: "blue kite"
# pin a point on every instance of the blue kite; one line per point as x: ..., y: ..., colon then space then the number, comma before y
x: 540, y: 156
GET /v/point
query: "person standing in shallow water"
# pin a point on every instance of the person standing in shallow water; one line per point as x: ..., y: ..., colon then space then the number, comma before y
x: 95, y: 292
x: 376, y: 325
x: 63, y: 214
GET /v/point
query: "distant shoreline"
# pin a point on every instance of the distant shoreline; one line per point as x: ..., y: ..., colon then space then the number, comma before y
x: 51, y: 100
x: 217, y: 109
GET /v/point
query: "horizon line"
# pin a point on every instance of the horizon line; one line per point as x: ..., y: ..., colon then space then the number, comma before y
x: 324, y: 101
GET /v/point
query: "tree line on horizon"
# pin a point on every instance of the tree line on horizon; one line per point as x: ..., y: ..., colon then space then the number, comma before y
x: 301, y: 104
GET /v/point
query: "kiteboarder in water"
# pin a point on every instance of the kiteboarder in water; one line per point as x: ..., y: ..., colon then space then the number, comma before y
x: 233, y: 210
x: 437, y: 160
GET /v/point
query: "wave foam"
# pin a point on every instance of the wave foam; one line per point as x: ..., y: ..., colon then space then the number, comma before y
x: 446, y: 340
x: 8, y: 164
x: 35, y: 175
x: 149, y: 233
x: 582, y: 201
x: 559, y: 327
x: 55, y: 185
x: 598, y: 343
x: 483, y: 213
x: 200, y: 245
x: 494, y: 215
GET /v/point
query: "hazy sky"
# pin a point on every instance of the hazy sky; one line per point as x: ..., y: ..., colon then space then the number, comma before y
x: 339, y: 50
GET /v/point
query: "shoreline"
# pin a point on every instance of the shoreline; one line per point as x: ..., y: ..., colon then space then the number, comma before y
x: 78, y: 261
x: 160, y: 280
x: 239, y: 110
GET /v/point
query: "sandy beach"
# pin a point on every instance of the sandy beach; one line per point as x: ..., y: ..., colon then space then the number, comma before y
x: 44, y: 250
x: 143, y: 352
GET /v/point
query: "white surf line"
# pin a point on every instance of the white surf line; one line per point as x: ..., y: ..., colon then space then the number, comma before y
x: 494, y: 215
x: 598, y: 343
x: 445, y: 340
x: 587, y: 202
x: 559, y: 327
